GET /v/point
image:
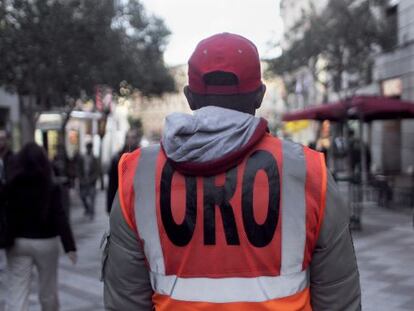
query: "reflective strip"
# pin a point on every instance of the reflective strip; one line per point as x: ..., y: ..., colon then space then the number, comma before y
x: 293, y: 208
x: 222, y: 290
x: 145, y: 207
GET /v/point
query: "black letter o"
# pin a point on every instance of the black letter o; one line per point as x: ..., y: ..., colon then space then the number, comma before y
x: 261, y: 235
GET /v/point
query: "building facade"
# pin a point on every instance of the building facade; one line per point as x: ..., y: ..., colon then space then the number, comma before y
x: 394, y: 72
x: 391, y: 142
x: 153, y: 110
x: 304, y: 90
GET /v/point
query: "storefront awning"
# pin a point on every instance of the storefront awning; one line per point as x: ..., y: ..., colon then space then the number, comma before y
x: 367, y: 108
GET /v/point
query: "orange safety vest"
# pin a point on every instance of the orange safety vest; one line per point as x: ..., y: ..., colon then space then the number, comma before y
x: 240, y: 240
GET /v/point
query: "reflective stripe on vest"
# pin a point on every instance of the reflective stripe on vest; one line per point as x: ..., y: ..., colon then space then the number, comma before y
x: 293, y: 208
x: 297, y: 302
x: 222, y: 290
x: 145, y: 211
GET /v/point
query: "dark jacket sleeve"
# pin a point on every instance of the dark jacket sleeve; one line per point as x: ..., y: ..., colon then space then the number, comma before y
x: 61, y: 220
x: 334, y: 272
x: 126, y: 279
x: 113, y: 183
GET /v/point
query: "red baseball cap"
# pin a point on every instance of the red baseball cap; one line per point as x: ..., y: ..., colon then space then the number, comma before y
x: 225, y: 52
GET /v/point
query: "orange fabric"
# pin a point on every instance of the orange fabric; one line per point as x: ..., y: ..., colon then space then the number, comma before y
x: 297, y: 302
x: 324, y: 189
x: 244, y: 260
x: 126, y: 172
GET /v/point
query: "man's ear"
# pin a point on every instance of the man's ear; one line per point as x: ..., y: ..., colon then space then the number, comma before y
x: 260, y: 94
x: 190, y: 98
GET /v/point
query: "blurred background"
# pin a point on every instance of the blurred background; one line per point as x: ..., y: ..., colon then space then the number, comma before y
x: 339, y: 77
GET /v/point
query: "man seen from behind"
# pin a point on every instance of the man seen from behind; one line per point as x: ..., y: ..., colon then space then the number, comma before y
x: 221, y: 215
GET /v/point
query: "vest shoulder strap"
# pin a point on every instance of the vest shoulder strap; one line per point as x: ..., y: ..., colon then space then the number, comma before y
x: 126, y: 170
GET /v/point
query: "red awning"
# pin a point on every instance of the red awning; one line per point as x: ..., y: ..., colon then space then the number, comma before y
x: 366, y: 107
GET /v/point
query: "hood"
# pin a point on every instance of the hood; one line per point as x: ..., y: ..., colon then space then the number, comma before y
x: 210, y: 141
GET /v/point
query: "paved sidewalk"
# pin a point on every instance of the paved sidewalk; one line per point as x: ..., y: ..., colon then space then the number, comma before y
x: 385, y: 253
x: 384, y: 249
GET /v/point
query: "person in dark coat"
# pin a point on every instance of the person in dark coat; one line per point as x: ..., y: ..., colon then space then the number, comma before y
x: 6, y: 159
x: 37, y: 219
x: 88, y: 174
x: 355, y: 146
x: 60, y: 171
x: 132, y: 142
x: 6, y: 156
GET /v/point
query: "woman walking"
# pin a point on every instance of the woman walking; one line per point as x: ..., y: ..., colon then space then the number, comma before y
x: 37, y: 218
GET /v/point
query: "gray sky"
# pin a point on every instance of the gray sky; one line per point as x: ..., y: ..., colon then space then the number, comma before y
x: 192, y: 20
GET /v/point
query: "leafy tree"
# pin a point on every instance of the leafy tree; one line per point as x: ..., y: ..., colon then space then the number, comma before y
x: 343, y: 38
x: 56, y: 51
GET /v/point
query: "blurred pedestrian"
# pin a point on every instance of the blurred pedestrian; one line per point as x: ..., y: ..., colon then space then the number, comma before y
x: 6, y: 159
x: 37, y: 219
x: 132, y: 142
x: 355, y: 146
x: 6, y: 156
x: 6, y: 238
x: 323, y: 142
x: 281, y: 241
x: 60, y: 162
x: 60, y: 172
x: 88, y: 174
x: 72, y: 169
x: 356, y: 195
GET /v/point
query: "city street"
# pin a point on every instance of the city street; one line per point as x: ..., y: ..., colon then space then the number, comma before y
x: 385, y: 252
x: 238, y: 115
